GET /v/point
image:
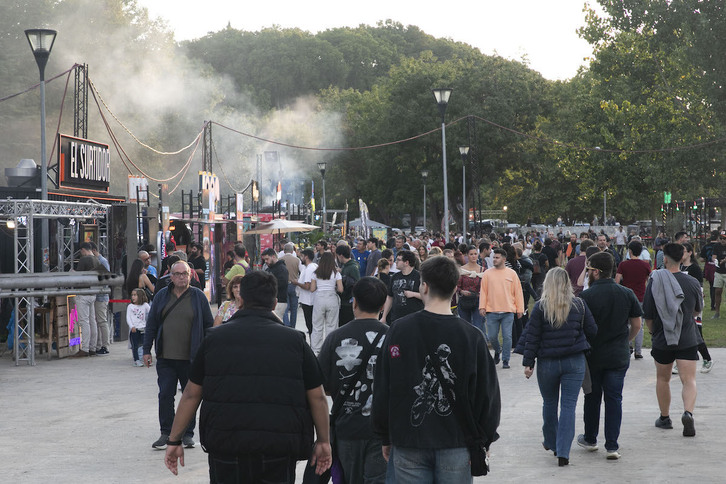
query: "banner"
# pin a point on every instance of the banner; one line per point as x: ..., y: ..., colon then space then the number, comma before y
x: 364, y: 218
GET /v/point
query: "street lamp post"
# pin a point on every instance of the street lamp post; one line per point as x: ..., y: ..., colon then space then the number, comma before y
x: 442, y: 99
x: 322, y: 166
x: 424, y: 177
x: 464, y: 151
x: 41, y: 43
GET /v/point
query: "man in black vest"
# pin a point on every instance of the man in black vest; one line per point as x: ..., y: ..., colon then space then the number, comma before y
x: 262, y: 392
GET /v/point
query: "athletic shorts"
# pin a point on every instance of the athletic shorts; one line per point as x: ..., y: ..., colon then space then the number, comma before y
x: 666, y: 357
x: 719, y: 280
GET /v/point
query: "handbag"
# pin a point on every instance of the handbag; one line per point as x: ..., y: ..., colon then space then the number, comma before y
x: 336, y: 470
x: 477, y: 449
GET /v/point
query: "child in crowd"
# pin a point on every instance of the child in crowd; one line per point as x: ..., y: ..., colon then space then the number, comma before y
x: 136, y: 314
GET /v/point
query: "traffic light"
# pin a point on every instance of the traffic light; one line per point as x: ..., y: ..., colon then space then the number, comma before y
x: 666, y: 197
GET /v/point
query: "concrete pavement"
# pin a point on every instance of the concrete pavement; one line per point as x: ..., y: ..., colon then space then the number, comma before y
x: 94, y: 419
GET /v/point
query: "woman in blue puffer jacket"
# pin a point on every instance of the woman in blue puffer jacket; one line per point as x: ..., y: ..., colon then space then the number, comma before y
x: 557, y: 334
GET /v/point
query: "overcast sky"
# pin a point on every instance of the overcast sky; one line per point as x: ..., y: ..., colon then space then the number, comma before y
x: 542, y: 30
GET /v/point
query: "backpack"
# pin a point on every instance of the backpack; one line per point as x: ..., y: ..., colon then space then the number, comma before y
x: 536, y: 269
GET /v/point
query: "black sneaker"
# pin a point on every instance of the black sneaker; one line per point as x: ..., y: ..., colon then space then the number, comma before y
x: 102, y: 351
x: 161, y: 442
x: 505, y: 365
x: 92, y: 353
x: 188, y: 442
x: 689, y: 429
x: 666, y: 423
x: 496, y: 357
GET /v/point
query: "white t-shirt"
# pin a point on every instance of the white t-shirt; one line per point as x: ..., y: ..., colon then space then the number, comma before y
x: 619, y: 238
x: 326, y: 284
x: 306, y: 275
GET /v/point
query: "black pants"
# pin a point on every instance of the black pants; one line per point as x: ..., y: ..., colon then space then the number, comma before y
x: 345, y: 314
x: 308, y: 313
x: 251, y: 468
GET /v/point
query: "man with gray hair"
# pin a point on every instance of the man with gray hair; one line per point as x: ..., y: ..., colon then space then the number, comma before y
x: 294, y: 268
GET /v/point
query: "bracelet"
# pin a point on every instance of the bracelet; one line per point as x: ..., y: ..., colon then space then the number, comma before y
x: 174, y: 442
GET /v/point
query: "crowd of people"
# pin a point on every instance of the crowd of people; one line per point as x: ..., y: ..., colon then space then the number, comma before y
x: 398, y: 335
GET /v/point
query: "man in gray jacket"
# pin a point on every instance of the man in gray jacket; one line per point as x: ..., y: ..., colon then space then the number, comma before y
x: 672, y: 300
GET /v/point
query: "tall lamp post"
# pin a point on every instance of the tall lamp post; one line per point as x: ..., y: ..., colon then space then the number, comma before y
x: 41, y: 43
x: 424, y: 177
x: 442, y: 99
x: 464, y: 151
x: 322, y: 166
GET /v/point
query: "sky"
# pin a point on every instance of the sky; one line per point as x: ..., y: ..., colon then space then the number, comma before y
x: 543, y: 31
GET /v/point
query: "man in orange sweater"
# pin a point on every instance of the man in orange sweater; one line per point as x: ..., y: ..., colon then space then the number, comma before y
x: 500, y: 298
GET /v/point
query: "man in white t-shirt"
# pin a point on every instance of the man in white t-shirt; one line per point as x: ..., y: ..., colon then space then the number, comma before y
x: 303, y: 283
x: 620, y: 239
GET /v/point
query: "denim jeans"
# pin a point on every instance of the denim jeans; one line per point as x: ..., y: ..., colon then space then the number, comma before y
x: 472, y: 316
x: 137, y: 341
x: 290, y: 316
x: 504, y: 320
x: 362, y: 461
x: 168, y: 373
x: 422, y: 466
x: 560, y: 379
x: 251, y: 468
x: 607, y: 385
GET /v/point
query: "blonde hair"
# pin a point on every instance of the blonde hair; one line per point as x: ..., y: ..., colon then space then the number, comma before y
x: 557, y: 297
x: 435, y: 251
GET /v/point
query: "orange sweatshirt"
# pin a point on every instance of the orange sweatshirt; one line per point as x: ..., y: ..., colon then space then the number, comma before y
x: 501, y: 291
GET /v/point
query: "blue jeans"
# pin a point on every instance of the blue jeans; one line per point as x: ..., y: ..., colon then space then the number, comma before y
x: 554, y: 376
x: 292, y: 300
x: 137, y: 341
x: 422, y: 466
x: 607, y: 385
x: 472, y: 316
x: 504, y: 320
x: 168, y: 373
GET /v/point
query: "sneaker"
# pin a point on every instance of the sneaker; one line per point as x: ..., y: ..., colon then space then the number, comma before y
x: 102, y: 351
x: 79, y: 354
x: 665, y: 423
x: 707, y: 365
x: 188, y: 442
x: 161, y: 442
x: 505, y: 365
x: 674, y: 371
x: 585, y: 444
x: 613, y: 455
x: 496, y: 357
x: 138, y: 363
x: 689, y: 429
x: 92, y: 353
x: 638, y: 356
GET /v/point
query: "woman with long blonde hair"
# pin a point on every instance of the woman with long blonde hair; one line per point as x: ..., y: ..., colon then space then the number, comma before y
x: 556, y: 336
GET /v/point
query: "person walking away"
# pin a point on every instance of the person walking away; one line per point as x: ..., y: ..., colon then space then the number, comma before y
x: 85, y: 305
x: 617, y: 314
x: 175, y: 327
x: 294, y: 267
x: 672, y: 300
x: 633, y: 273
x: 261, y: 393
x: 557, y: 337
x: 350, y: 274
x: 426, y: 356
x: 325, y: 284
x: 500, y: 299
x: 306, y: 297
x: 136, y: 314
x: 348, y: 361
x: 689, y: 265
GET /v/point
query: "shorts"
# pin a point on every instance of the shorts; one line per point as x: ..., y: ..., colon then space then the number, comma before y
x: 666, y: 357
x: 719, y: 280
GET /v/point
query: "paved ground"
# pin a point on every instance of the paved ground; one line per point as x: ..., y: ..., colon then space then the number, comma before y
x: 93, y: 420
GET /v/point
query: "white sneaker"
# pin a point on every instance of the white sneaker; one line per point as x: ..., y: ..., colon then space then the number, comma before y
x: 613, y: 455
x: 138, y: 363
x: 707, y: 365
x: 675, y: 370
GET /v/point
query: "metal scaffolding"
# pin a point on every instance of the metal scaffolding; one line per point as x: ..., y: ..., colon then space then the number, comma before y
x: 23, y: 213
